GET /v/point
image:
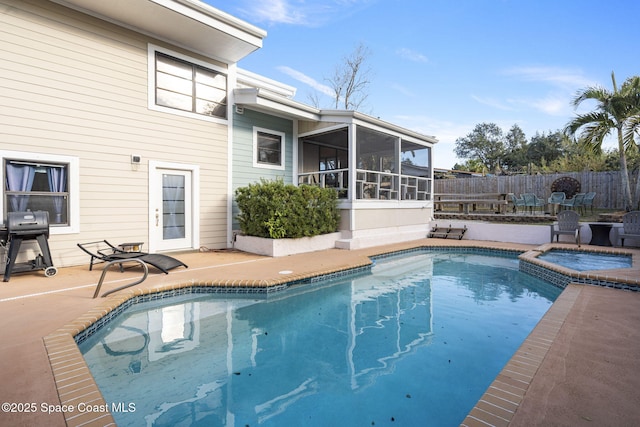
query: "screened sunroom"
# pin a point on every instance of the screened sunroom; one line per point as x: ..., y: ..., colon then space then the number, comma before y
x: 371, y: 165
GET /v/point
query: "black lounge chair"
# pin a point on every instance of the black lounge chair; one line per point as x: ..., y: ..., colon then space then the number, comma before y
x: 105, y: 252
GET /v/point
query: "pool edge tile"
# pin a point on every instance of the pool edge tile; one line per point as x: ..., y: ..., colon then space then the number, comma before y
x: 552, y: 322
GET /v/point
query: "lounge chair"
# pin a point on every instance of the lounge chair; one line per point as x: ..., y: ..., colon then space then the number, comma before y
x: 568, y: 224
x: 630, y: 226
x: 103, y: 251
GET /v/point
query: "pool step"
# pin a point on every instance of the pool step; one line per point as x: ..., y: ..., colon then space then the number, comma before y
x: 447, y: 232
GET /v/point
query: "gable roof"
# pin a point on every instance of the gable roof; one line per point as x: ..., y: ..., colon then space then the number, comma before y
x: 191, y: 24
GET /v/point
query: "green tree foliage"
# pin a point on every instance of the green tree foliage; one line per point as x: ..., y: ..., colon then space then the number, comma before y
x: 545, y: 148
x: 515, y: 156
x: 276, y: 210
x: 616, y: 112
x: 485, y: 143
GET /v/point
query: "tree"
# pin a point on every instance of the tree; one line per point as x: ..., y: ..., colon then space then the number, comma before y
x: 350, y: 80
x: 545, y: 148
x: 485, y: 143
x: 516, y: 149
x: 617, y: 112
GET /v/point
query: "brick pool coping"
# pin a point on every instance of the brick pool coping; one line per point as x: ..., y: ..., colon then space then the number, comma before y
x: 76, y: 385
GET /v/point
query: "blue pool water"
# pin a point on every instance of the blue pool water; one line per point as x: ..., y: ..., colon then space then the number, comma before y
x: 416, y: 342
x: 583, y: 261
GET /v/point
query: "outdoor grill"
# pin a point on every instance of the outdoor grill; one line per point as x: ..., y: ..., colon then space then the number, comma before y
x: 28, y: 226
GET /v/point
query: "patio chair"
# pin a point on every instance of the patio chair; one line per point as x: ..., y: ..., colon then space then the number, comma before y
x: 103, y: 251
x: 532, y: 202
x: 574, y: 203
x: 588, y: 201
x: 630, y: 226
x: 517, y: 202
x: 568, y: 224
x: 556, y: 198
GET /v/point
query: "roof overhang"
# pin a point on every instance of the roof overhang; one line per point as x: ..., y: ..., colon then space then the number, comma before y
x: 190, y: 24
x: 267, y: 102
x: 349, y: 116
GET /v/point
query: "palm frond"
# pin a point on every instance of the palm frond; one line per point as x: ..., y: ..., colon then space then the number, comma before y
x: 582, y: 121
x: 596, y: 93
x: 631, y: 131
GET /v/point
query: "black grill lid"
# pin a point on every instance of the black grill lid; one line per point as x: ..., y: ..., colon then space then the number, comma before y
x: 28, y: 223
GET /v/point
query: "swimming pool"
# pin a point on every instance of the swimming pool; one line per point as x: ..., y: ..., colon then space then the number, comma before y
x: 416, y: 342
x: 584, y: 261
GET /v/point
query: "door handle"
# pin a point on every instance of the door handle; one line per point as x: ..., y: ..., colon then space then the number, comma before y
x: 157, y: 218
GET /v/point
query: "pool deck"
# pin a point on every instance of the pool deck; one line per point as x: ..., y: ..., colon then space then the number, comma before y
x: 580, y: 365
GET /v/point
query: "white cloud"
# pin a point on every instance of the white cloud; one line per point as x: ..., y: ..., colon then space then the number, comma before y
x: 309, y: 81
x: 403, y: 90
x: 566, y: 78
x: 312, y: 13
x: 558, y: 84
x: 552, y: 105
x: 276, y: 11
x: 493, y: 102
x: 411, y: 55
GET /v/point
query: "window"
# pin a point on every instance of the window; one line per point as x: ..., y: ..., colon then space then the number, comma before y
x: 268, y: 148
x: 183, y: 86
x: 35, y: 182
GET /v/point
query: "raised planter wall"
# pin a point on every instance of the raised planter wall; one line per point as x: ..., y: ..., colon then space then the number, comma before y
x: 285, y: 247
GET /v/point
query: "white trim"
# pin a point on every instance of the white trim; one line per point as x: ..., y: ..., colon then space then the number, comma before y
x: 154, y: 165
x: 151, y: 84
x: 325, y: 130
x: 282, y: 136
x: 74, y: 185
x: 232, y: 82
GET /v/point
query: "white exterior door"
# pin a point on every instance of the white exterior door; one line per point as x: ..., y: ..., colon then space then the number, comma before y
x: 172, y: 207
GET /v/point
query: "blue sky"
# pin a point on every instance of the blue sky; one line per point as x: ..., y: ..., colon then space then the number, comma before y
x: 439, y: 67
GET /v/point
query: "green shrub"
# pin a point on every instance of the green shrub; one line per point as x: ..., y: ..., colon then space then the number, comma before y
x: 277, y: 210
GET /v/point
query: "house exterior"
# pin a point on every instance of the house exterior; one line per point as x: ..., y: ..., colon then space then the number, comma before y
x: 130, y: 121
x: 383, y: 173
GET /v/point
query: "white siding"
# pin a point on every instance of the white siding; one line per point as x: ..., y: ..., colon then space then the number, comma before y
x: 75, y: 85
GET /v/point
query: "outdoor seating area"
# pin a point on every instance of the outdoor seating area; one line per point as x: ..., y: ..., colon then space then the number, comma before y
x: 501, y: 203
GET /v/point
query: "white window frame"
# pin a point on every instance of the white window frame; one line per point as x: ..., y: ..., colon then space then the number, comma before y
x: 74, y: 185
x: 282, y: 136
x: 151, y: 84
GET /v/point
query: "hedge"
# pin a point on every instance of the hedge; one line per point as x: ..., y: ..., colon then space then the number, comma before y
x: 276, y: 210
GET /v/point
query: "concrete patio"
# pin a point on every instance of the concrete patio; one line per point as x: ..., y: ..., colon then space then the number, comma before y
x: 588, y: 374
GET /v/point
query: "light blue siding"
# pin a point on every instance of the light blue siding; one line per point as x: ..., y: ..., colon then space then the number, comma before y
x: 244, y: 173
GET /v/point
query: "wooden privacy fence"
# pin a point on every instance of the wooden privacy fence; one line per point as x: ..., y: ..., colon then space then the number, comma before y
x: 606, y: 185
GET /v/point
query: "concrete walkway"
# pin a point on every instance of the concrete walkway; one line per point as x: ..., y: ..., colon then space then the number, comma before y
x: 589, y: 376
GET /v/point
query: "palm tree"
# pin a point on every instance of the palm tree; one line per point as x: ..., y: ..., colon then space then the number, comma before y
x: 615, y: 111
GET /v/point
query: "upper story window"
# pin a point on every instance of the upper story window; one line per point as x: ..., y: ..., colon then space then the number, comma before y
x: 34, y: 182
x: 268, y: 148
x: 187, y: 87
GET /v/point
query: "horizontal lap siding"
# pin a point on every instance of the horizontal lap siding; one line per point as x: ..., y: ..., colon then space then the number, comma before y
x: 75, y: 85
x: 243, y: 171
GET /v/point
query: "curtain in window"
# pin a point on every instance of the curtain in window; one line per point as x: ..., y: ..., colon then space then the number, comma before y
x: 57, y: 183
x: 19, y: 178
